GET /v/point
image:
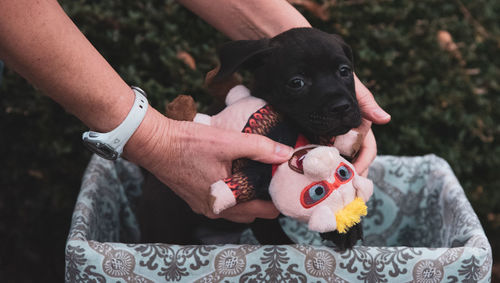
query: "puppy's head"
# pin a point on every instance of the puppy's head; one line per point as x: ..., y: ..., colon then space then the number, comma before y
x: 306, y: 74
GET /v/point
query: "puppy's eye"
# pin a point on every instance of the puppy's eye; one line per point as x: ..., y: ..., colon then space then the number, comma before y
x: 296, y: 83
x: 344, y: 70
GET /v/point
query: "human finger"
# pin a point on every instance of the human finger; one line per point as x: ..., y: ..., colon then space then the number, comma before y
x: 367, y: 153
x: 258, y: 148
x: 369, y: 107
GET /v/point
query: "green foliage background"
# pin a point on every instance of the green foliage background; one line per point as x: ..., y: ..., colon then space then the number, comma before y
x: 437, y: 105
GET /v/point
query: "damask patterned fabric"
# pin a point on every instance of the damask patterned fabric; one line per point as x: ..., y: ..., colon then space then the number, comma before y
x: 420, y: 228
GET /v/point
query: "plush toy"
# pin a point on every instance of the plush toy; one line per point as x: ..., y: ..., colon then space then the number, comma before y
x: 321, y: 188
x: 317, y: 186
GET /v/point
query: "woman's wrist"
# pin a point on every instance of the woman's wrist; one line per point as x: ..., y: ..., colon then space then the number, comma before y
x: 151, y: 139
x: 110, y: 110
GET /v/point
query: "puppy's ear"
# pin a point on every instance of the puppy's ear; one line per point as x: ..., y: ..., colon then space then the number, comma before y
x: 346, y: 48
x: 241, y: 53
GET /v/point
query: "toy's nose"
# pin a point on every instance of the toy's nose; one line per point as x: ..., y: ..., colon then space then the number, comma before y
x: 320, y: 162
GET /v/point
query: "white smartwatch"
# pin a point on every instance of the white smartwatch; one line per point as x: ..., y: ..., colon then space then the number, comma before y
x: 110, y: 145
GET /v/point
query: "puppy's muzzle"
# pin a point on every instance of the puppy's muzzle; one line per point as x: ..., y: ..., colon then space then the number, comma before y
x: 335, y: 118
x: 339, y: 108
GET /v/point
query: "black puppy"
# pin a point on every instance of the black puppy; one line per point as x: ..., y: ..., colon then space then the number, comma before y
x: 306, y: 75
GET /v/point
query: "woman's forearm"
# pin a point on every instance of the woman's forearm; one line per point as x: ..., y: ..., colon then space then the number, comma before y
x: 41, y: 43
x: 248, y: 19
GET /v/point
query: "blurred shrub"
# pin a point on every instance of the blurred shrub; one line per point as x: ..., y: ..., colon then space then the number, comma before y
x: 440, y: 103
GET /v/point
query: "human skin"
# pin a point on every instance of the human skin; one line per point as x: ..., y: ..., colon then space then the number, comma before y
x: 41, y: 43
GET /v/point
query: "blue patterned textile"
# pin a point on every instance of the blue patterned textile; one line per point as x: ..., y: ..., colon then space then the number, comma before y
x: 420, y: 228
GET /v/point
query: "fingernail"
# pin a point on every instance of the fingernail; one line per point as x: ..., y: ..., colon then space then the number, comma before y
x: 283, y: 151
x: 381, y: 114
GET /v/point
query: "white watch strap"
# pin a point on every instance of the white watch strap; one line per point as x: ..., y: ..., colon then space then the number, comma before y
x: 118, y: 137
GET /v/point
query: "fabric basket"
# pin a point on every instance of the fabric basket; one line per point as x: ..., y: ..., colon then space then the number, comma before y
x: 420, y: 227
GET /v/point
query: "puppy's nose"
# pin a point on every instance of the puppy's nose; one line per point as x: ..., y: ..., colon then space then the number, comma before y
x: 339, y: 107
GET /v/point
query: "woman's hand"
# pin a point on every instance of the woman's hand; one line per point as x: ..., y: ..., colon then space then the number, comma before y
x: 368, y: 105
x: 189, y: 157
x: 372, y: 112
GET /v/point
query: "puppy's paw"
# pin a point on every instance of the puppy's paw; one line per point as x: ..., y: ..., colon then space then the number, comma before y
x: 223, y: 197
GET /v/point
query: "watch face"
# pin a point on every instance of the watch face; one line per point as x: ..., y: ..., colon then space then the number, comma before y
x: 101, y: 149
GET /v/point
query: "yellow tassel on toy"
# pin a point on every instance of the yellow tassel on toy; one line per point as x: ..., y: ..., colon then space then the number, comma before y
x: 350, y: 215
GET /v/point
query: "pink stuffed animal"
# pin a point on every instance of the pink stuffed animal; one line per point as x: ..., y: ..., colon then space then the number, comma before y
x: 321, y: 188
